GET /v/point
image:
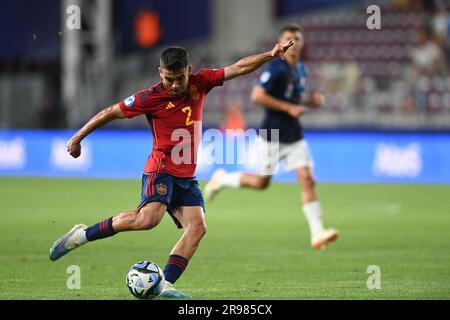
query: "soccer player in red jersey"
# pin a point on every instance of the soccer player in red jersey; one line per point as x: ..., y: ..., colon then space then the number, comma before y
x: 173, y: 108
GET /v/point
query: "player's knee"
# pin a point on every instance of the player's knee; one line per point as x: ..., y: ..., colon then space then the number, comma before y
x: 200, y: 230
x: 262, y: 183
x: 308, y: 182
x: 196, y: 231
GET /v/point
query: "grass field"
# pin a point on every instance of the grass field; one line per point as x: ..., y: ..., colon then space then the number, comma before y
x: 257, y: 245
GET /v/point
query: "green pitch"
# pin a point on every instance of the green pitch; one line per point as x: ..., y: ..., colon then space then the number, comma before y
x: 257, y: 245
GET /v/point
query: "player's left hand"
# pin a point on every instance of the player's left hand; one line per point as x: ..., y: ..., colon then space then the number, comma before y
x: 318, y: 99
x: 280, y: 49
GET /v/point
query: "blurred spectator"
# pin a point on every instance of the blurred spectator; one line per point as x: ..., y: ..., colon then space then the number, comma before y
x: 440, y: 23
x: 427, y: 57
x: 352, y: 74
x: 340, y: 82
x: 234, y: 118
x: 332, y: 75
x: 409, y: 105
x: 441, y: 28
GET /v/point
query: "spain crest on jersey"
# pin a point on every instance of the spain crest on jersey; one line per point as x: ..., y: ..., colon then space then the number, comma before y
x: 161, y: 188
x: 193, y: 92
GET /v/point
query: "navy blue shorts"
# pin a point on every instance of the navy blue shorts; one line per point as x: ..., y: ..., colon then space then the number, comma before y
x: 173, y: 191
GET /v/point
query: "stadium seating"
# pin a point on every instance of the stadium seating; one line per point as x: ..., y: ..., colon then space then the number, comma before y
x: 382, y: 62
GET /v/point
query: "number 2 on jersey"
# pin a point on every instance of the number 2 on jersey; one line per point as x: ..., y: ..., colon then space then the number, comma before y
x: 188, y: 110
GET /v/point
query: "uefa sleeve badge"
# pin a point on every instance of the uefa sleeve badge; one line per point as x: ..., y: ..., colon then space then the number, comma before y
x: 129, y: 101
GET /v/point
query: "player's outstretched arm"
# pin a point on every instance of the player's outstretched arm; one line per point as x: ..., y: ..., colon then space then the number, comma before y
x: 100, y: 119
x: 251, y: 63
x: 261, y: 97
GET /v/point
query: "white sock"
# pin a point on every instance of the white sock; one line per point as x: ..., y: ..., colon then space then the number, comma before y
x: 313, y: 214
x: 232, y: 179
x: 77, y: 239
x: 81, y: 236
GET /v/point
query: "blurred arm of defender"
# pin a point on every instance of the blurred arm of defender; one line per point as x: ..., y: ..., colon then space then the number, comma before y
x: 100, y: 119
x: 261, y: 97
x: 316, y: 99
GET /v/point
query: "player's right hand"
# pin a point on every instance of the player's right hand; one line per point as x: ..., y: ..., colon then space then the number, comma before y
x: 296, y: 111
x: 280, y: 49
x: 74, y: 147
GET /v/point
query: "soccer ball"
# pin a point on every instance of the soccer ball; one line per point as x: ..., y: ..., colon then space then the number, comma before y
x: 145, y: 280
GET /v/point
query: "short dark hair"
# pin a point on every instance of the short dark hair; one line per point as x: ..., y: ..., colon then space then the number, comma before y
x: 174, y: 59
x: 291, y: 27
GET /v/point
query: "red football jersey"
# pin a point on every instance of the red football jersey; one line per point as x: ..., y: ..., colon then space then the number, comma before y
x: 175, y: 120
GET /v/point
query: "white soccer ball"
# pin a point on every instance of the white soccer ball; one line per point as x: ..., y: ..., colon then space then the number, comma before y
x: 145, y: 280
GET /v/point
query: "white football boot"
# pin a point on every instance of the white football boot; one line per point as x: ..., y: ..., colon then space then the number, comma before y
x: 170, y: 292
x: 68, y: 242
x: 324, y: 237
x: 214, y: 185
